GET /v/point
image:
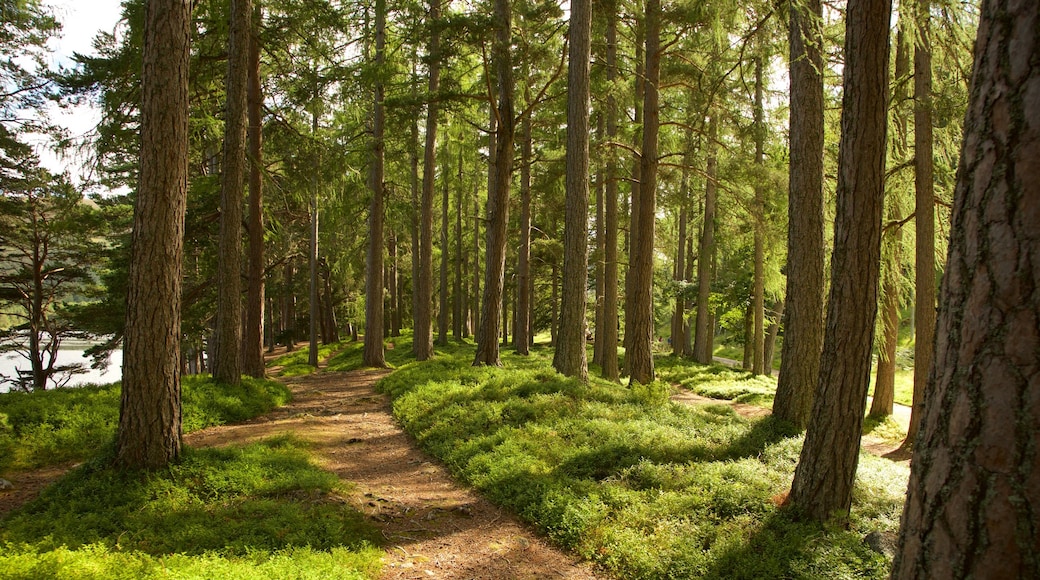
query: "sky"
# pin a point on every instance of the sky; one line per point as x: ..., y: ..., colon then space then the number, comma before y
x: 81, y: 20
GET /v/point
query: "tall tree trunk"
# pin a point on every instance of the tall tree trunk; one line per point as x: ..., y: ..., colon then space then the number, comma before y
x: 373, y: 354
x: 974, y: 495
x: 774, y: 330
x: 312, y: 259
x: 570, y: 356
x: 228, y: 364
x: 639, y: 358
x: 393, y: 284
x: 758, y: 301
x: 443, y: 314
x: 149, y: 434
x: 678, y: 337
x: 597, y: 339
x: 924, y: 303
x: 609, y: 363
x: 458, y: 314
x: 498, y: 197
x: 523, y: 262
x: 475, y: 295
x: 423, y: 320
x: 253, y: 337
x: 803, y: 314
x: 885, y: 379
x: 633, y: 217
x: 702, y: 342
x: 289, y: 307
x: 822, y: 486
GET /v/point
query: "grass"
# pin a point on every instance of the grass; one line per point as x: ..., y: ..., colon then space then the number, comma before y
x: 63, y: 425
x: 644, y: 487
x: 262, y: 510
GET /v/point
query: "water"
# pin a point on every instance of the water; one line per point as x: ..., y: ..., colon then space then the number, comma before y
x: 69, y: 354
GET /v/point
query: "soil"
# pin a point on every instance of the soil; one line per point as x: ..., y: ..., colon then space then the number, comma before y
x: 433, y: 526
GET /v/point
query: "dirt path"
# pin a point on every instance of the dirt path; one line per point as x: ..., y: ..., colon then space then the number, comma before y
x: 434, y: 527
x: 870, y: 443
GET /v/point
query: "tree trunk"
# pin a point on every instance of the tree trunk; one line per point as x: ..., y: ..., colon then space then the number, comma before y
x: 702, y: 342
x: 149, y: 434
x: 640, y: 359
x: 678, y: 337
x: 373, y: 354
x: 774, y: 330
x: 974, y: 495
x: 443, y: 315
x: 523, y: 262
x: 758, y: 301
x: 746, y: 361
x: 227, y: 367
x: 570, y: 356
x: 822, y: 486
x: 423, y: 320
x: 597, y: 269
x: 458, y: 314
x: 803, y: 314
x: 475, y: 295
x: 498, y: 197
x: 253, y: 337
x: 924, y: 304
x: 312, y: 261
x: 633, y: 217
x: 609, y: 364
x: 393, y: 284
x: 883, y: 401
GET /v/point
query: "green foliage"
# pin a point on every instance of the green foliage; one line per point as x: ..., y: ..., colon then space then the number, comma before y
x: 719, y: 382
x: 646, y: 488
x: 264, y: 510
x: 49, y: 427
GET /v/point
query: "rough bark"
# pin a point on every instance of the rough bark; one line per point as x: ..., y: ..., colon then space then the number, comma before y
x: 639, y: 358
x: 373, y: 354
x: 609, y: 364
x: 443, y: 315
x: 498, y: 196
x: 974, y: 492
x: 823, y: 480
x: 758, y: 300
x: 253, y: 336
x: 570, y: 356
x: 227, y: 365
x: 803, y: 314
x: 702, y: 351
x: 883, y: 401
x: 924, y: 183
x: 423, y: 320
x: 523, y: 260
x: 149, y: 434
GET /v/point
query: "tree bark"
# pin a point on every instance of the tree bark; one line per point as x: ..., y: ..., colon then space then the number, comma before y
x: 639, y: 358
x: 149, y: 434
x: 227, y: 366
x: 253, y: 337
x: 443, y: 315
x: 974, y: 491
x: 803, y: 314
x: 523, y: 262
x: 458, y: 313
x: 758, y: 301
x: 823, y: 480
x: 924, y: 182
x: 423, y: 320
x: 570, y: 355
x: 609, y: 364
x: 702, y: 342
x: 498, y: 197
x: 373, y: 354
x: 679, y: 315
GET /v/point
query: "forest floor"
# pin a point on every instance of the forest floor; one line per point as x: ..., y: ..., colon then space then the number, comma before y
x: 434, y: 527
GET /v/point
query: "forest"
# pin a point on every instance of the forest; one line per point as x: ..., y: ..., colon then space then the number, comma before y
x: 690, y: 289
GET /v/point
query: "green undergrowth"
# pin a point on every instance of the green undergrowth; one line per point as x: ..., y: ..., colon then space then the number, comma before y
x: 718, y: 381
x: 259, y: 511
x: 63, y: 425
x: 642, y: 486
x: 296, y: 363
